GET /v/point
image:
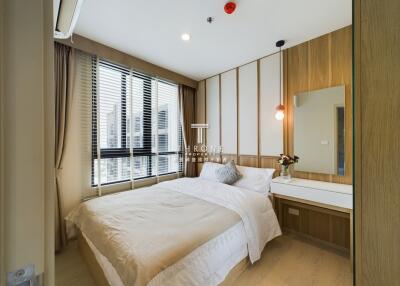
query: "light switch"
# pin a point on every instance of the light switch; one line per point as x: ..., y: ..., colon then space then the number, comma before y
x: 324, y: 142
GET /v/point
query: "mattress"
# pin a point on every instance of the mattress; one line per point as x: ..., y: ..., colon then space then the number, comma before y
x: 208, y: 265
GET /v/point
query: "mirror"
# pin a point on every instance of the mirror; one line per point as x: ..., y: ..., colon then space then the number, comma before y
x: 319, y: 130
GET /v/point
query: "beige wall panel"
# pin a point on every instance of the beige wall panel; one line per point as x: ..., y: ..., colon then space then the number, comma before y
x: 201, y: 102
x: 212, y: 111
x: 28, y: 126
x: 271, y: 130
x: 248, y: 122
x: 228, y: 112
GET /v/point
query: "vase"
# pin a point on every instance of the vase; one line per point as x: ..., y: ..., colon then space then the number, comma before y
x: 285, y: 173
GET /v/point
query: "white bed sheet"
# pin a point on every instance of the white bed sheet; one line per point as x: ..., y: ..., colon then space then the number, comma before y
x: 208, y: 265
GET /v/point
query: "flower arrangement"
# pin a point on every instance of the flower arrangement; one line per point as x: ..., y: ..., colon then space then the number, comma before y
x: 286, y: 160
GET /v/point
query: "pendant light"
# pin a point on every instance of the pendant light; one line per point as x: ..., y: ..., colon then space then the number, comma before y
x: 280, y: 109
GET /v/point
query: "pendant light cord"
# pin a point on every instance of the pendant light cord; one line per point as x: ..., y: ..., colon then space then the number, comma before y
x: 279, y: 44
x: 280, y: 75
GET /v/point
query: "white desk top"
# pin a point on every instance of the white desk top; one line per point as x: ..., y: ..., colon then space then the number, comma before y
x: 331, y: 194
x: 326, y: 186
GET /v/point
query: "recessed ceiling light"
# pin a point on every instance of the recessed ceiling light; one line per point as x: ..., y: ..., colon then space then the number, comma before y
x: 185, y: 37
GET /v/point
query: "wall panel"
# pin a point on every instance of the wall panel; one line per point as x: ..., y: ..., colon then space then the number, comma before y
x: 228, y: 112
x: 320, y: 63
x: 271, y: 130
x: 323, y: 225
x: 201, y: 102
x: 27, y: 127
x: 248, y: 109
x: 212, y: 111
x: 377, y: 142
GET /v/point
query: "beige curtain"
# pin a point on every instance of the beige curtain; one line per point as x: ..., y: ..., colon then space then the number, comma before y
x: 63, y: 76
x: 187, y: 99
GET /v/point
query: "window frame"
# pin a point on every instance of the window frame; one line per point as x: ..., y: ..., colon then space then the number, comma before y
x: 125, y: 151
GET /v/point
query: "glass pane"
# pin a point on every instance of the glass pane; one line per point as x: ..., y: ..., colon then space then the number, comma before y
x: 137, y: 116
x: 113, y: 170
x: 141, y: 166
x: 168, y: 163
x: 110, y: 99
x: 168, y: 127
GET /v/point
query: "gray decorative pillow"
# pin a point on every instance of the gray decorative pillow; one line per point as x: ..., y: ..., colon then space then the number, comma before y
x: 228, y: 174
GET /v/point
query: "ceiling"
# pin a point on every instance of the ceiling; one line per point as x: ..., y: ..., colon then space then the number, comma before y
x: 151, y: 30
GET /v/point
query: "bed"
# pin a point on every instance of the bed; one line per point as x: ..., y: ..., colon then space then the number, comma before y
x: 188, y: 231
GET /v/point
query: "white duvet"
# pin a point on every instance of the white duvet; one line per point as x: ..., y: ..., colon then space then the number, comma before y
x: 253, y: 208
x: 111, y: 223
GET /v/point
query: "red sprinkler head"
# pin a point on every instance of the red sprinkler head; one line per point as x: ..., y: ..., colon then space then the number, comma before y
x: 230, y: 7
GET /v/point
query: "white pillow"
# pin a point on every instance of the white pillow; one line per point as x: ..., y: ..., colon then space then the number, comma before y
x: 208, y: 171
x: 255, y: 179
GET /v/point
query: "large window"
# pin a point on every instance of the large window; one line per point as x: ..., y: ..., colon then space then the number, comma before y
x: 135, y: 125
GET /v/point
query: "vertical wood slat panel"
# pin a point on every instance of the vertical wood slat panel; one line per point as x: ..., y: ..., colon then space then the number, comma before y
x: 357, y: 192
x: 201, y: 109
x: 258, y: 114
x: 320, y: 63
x: 296, y: 68
x: 237, y: 117
x: 342, y: 74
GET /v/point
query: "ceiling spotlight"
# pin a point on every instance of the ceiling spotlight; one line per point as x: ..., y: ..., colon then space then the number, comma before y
x: 185, y: 37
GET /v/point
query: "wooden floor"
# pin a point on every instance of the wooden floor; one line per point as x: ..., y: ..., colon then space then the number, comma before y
x: 287, y: 260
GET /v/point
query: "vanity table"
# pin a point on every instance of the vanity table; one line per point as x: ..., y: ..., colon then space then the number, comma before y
x: 322, y: 211
x: 319, y: 210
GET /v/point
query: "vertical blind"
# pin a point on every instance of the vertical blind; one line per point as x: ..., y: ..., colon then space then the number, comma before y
x: 136, y: 130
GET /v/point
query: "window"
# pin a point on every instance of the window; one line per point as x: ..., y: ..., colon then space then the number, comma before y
x: 128, y: 140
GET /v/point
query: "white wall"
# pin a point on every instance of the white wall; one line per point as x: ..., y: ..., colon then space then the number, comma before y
x: 248, y: 109
x: 212, y: 111
x: 201, y: 103
x: 229, y: 112
x: 271, y: 130
x: 28, y: 122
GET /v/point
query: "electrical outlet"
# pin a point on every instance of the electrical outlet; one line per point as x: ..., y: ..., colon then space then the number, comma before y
x: 22, y: 277
x: 294, y: 211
